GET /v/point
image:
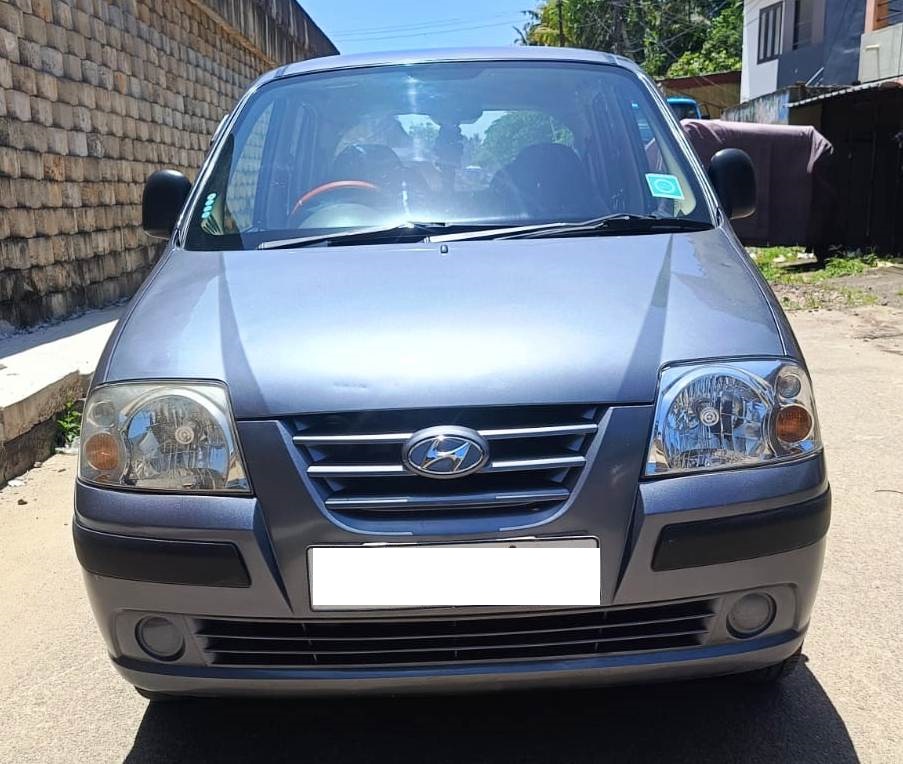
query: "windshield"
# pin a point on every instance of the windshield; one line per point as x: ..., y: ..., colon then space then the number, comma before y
x: 684, y: 109
x: 462, y: 145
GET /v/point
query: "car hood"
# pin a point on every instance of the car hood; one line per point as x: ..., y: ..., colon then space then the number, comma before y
x: 574, y: 320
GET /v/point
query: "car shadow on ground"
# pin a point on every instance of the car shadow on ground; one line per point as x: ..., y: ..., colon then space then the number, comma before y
x: 705, y: 721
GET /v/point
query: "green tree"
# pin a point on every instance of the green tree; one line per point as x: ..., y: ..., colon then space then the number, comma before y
x: 722, y: 49
x: 541, y: 27
x: 654, y: 33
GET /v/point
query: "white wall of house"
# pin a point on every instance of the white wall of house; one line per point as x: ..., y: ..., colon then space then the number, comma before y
x: 756, y: 79
x: 882, y: 54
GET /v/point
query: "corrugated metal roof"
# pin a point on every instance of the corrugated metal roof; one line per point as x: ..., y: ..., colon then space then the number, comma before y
x: 888, y: 84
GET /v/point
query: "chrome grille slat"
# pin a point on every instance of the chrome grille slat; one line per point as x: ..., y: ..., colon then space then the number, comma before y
x: 402, y: 437
x: 551, y: 431
x: 446, y: 500
x: 500, y: 465
x: 355, y: 470
x: 546, y: 463
x: 420, y: 641
x: 354, y: 460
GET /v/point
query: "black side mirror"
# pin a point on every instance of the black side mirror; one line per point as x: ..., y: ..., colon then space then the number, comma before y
x: 734, y: 178
x: 164, y: 196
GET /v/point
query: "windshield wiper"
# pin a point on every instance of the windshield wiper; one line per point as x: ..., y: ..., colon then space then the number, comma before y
x: 442, y: 232
x: 408, y: 231
x: 621, y: 222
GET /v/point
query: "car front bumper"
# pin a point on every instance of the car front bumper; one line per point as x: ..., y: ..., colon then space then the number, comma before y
x: 713, y: 536
x: 628, y: 669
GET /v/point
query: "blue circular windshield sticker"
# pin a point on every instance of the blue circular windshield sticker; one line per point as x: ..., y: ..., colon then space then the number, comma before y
x: 664, y: 186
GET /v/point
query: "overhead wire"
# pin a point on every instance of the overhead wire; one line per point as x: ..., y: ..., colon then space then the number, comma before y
x: 425, y: 33
x: 422, y: 29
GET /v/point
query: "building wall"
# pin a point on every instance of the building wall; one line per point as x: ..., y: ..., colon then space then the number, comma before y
x: 882, y: 54
x: 756, y: 79
x: 768, y: 109
x: 832, y: 57
x: 836, y: 48
x: 94, y: 96
x: 802, y: 65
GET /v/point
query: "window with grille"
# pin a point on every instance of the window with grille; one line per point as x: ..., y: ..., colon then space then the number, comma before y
x: 803, y: 21
x: 770, y: 24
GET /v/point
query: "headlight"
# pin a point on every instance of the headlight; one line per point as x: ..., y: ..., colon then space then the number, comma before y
x: 732, y: 414
x: 162, y: 436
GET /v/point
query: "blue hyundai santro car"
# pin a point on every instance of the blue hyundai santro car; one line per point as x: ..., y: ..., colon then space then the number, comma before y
x: 452, y: 375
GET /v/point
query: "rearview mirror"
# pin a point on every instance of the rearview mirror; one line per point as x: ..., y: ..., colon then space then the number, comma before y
x: 734, y: 178
x: 164, y: 196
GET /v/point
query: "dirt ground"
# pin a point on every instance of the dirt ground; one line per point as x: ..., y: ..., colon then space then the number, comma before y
x: 877, y: 286
x: 61, y: 701
x: 886, y: 284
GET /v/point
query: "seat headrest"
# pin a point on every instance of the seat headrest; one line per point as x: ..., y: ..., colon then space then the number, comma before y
x: 367, y: 161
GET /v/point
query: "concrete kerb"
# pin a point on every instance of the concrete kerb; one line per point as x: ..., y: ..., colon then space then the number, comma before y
x: 41, y: 372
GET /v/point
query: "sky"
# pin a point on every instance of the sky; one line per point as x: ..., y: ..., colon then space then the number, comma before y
x: 359, y: 26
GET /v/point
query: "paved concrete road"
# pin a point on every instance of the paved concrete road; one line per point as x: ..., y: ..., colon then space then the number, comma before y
x: 61, y: 701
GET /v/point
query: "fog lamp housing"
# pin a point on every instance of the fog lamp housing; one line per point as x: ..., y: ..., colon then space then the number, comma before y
x: 160, y: 638
x: 751, y: 615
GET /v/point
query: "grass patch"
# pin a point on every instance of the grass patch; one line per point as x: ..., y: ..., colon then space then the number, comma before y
x: 804, y: 284
x: 815, y: 297
x: 847, y: 266
x: 856, y: 297
x: 772, y: 260
x: 780, y: 265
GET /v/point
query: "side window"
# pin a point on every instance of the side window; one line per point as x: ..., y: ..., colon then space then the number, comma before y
x: 666, y: 188
x: 642, y: 124
x: 770, y: 27
x: 615, y: 156
x: 652, y: 156
x: 246, y: 172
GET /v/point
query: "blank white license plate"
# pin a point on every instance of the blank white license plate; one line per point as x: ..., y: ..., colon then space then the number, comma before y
x: 521, y: 572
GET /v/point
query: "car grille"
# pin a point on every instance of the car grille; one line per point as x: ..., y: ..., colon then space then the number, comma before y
x: 388, y: 642
x: 537, y: 452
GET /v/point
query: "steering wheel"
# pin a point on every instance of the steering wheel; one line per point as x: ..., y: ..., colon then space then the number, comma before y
x: 335, y: 185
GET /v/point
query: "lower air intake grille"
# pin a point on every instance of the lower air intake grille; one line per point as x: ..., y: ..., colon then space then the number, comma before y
x: 354, y: 460
x: 384, y: 642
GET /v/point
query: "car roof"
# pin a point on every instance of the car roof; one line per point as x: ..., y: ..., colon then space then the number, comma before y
x: 681, y: 99
x: 435, y: 55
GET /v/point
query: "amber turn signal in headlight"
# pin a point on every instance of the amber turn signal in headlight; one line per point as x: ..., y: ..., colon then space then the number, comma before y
x: 792, y: 424
x: 102, y: 452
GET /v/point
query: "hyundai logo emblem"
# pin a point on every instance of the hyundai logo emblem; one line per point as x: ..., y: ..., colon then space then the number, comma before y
x: 445, y: 452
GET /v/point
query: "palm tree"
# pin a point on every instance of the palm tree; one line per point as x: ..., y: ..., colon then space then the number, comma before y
x: 546, y: 25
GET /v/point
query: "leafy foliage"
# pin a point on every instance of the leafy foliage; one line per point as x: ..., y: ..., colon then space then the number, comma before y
x: 801, y: 284
x: 722, y: 49
x: 70, y: 423
x: 781, y: 265
x: 655, y: 33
